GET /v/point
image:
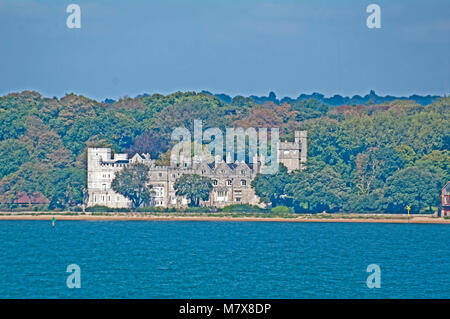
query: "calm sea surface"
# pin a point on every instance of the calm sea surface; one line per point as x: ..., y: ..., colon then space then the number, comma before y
x: 157, y: 259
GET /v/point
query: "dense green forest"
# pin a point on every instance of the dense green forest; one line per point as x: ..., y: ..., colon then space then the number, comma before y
x: 364, y: 157
x: 336, y: 99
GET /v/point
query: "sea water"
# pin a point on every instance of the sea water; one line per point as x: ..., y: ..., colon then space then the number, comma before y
x: 195, y: 259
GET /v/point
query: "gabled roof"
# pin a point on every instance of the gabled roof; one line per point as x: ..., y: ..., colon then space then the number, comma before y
x: 136, y: 157
x: 205, y: 166
x: 223, y: 166
x: 243, y: 166
x: 446, y: 188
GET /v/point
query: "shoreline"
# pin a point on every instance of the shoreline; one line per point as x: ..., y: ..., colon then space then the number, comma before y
x: 360, y: 218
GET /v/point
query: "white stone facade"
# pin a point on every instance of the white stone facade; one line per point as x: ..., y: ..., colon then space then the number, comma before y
x: 231, y: 181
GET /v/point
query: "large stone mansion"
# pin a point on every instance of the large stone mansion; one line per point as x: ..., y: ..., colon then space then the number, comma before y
x: 231, y: 180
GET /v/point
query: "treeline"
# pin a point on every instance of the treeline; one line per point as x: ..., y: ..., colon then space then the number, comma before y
x: 335, y: 100
x: 368, y: 159
x: 360, y: 157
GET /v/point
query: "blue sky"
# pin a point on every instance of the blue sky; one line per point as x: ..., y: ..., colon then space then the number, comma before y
x: 236, y: 47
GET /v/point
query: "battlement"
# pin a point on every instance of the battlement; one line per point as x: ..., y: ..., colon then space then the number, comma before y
x: 231, y: 179
x: 293, y: 154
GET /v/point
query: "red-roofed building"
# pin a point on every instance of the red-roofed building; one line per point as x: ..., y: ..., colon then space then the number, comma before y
x: 445, y: 201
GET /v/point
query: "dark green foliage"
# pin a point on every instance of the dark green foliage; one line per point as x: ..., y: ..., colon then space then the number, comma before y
x: 62, y: 194
x: 194, y: 187
x: 270, y: 187
x: 105, y: 209
x: 132, y: 182
x: 354, y: 152
x: 374, y: 166
x: 242, y: 208
x: 318, y: 190
x: 309, y: 109
x: 12, y: 155
x: 412, y: 186
x: 281, y: 210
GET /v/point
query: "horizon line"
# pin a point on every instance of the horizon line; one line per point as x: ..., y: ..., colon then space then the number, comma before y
x: 371, y: 92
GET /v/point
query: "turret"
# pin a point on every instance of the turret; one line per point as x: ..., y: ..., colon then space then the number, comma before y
x: 301, y: 138
x: 293, y: 155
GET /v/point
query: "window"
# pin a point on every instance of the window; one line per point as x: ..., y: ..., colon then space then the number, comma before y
x: 243, y: 172
x: 238, y: 199
x: 243, y: 182
x: 215, y: 182
x: 160, y: 174
x: 221, y: 195
x: 104, y: 187
x: 229, y: 182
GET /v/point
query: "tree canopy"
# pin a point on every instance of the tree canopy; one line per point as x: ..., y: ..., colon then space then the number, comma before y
x: 357, y: 151
x: 194, y: 187
x: 270, y: 187
x: 132, y: 182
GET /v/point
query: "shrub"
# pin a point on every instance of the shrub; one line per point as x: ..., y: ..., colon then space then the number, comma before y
x: 98, y: 208
x: 281, y: 210
x: 243, y: 208
x: 153, y: 209
x: 104, y: 209
x: 198, y: 209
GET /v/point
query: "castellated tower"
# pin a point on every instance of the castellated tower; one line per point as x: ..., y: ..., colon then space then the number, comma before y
x: 293, y: 155
x: 301, y: 137
x: 231, y: 180
x: 101, y: 172
x: 94, y: 158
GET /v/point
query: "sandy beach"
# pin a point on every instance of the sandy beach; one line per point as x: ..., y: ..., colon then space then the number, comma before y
x: 353, y: 218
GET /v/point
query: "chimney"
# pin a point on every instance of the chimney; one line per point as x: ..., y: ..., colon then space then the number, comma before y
x: 229, y: 159
x: 217, y: 160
